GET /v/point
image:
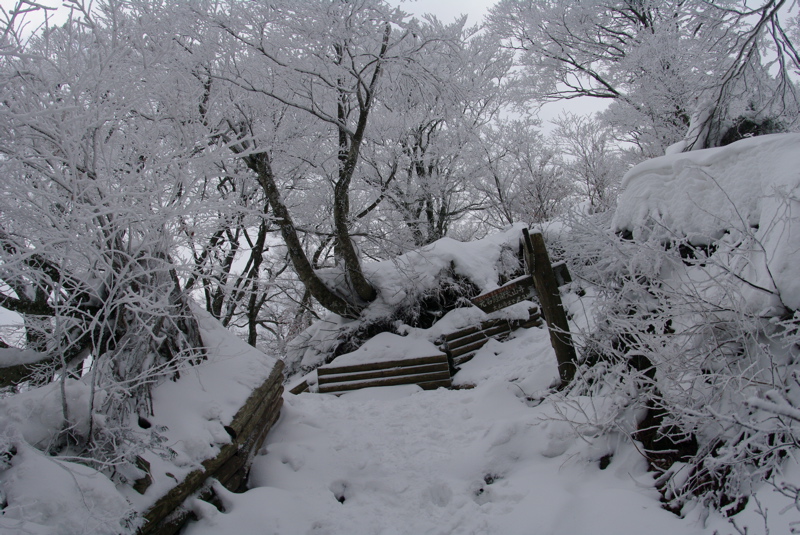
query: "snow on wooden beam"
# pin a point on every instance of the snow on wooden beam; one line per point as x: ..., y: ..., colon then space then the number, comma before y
x: 428, y: 372
x: 462, y: 345
x: 248, y: 429
x: 510, y: 293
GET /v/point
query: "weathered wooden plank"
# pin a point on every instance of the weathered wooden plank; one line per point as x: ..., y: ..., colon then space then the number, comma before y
x: 539, y: 266
x: 491, y: 332
x: 371, y: 366
x: 533, y: 313
x: 233, y: 474
x: 468, y: 348
x: 462, y: 345
x: 480, y: 327
x: 508, y: 294
x: 249, y: 425
x: 462, y: 332
x: 391, y: 372
x: 458, y: 342
x: 458, y: 361
x: 299, y: 388
x: 533, y: 322
x: 485, y: 333
x: 389, y: 381
x: 504, y: 327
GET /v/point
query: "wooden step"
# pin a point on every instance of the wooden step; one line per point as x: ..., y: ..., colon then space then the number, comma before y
x: 330, y: 369
x: 533, y: 312
x: 533, y: 322
x: 480, y: 335
x: 377, y: 374
x: 463, y: 332
x: 471, y: 348
x: 458, y: 361
x: 300, y: 388
x: 389, y: 381
x: 470, y: 338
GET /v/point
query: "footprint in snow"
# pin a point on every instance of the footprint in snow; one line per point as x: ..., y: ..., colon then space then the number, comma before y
x: 440, y: 494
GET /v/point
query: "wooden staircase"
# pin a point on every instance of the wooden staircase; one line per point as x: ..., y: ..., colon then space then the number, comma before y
x: 427, y: 372
x: 461, y: 346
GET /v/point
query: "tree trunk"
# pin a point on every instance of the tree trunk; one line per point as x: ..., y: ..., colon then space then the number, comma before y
x: 260, y: 164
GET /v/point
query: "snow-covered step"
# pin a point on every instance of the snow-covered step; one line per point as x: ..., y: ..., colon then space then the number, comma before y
x: 428, y: 372
x: 462, y: 345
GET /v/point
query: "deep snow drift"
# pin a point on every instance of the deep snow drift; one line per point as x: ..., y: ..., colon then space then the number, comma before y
x: 750, y: 186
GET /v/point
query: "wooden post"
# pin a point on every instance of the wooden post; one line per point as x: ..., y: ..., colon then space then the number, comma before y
x: 544, y: 279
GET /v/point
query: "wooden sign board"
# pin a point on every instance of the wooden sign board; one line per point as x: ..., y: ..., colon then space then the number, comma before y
x: 512, y: 292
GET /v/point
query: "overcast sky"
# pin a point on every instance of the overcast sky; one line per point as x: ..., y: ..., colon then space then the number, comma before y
x: 447, y: 10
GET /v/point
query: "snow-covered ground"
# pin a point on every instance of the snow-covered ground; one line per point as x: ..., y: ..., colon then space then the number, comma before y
x: 499, y: 454
x: 488, y: 459
x: 50, y: 495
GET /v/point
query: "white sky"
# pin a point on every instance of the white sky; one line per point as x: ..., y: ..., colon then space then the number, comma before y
x: 447, y: 10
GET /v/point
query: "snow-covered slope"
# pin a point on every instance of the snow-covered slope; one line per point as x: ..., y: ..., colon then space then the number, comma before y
x: 54, y: 496
x: 487, y: 460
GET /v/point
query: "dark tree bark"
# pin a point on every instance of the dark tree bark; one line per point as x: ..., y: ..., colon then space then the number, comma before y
x: 259, y: 163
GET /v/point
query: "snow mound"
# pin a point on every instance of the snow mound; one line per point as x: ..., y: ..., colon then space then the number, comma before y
x: 51, y: 495
x: 479, y: 261
x: 748, y: 189
x: 401, y: 282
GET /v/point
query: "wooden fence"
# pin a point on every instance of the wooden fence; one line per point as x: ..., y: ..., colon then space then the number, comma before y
x: 230, y: 467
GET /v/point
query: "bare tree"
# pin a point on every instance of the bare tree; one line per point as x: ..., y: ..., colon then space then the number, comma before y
x: 92, y: 195
x: 592, y: 160
x: 525, y: 179
x: 663, y: 65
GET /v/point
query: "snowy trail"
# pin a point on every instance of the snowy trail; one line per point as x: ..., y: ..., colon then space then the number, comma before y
x: 399, y: 460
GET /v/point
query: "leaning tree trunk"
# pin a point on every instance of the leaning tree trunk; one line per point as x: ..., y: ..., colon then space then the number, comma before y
x: 260, y: 164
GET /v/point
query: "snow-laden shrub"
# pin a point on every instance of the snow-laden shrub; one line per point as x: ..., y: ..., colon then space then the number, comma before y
x: 696, y: 329
x: 711, y: 383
